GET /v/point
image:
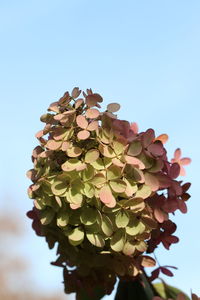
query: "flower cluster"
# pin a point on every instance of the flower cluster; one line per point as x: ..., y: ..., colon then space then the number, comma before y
x: 102, y: 191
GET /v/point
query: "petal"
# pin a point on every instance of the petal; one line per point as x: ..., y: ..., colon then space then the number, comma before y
x: 177, y: 154
x: 185, y: 161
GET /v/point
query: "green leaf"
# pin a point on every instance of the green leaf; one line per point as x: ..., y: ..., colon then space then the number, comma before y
x: 122, y: 219
x: 88, y: 216
x: 96, y: 239
x: 62, y: 219
x: 118, y: 240
x: 76, y: 236
x: 165, y: 290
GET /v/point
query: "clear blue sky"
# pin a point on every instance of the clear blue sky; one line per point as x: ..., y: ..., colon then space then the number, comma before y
x: 143, y: 54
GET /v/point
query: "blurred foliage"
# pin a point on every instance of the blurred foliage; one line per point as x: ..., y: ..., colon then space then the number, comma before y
x: 15, y: 273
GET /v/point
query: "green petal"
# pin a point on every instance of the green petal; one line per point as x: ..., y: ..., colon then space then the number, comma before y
x: 76, y: 237
x: 96, y: 239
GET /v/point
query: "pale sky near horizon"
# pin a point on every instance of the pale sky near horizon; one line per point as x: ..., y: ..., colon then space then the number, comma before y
x: 143, y: 54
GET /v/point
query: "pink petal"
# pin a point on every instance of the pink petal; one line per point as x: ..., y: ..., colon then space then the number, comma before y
x: 81, y: 122
x: 177, y: 154
x: 83, y: 135
x: 134, y: 127
x: 93, y: 126
x: 182, y: 171
x: 106, y: 196
x: 185, y: 161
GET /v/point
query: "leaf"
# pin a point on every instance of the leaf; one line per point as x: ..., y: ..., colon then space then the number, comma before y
x: 91, y: 156
x: 122, y: 219
x: 98, y: 164
x: 76, y: 236
x: 135, y: 148
x: 118, y: 185
x: 195, y: 297
x: 62, y: 219
x: 88, y: 173
x: 81, y: 121
x: 107, y: 197
x: 96, y: 239
x: 113, y: 172
x: 113, y: 107
x: 117, y: 241
x: 88, y: 216
x: 107, y: 226
x: 143, y: 192
x: 181, y: 296
x: 92, y: 113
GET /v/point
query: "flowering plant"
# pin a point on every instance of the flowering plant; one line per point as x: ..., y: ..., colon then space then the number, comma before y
x: 103, y: 192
